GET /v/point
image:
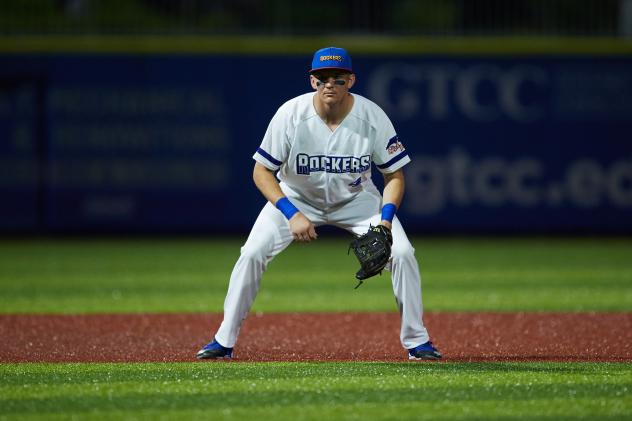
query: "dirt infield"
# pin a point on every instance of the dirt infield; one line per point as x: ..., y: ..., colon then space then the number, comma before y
x: 317, y: 337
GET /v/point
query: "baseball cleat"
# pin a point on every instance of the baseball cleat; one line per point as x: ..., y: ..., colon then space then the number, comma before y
x: 214, y: 351
x: 425, y: 351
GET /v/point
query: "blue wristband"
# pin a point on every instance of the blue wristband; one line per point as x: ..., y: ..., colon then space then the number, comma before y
x: 388, y: 212
x: 286, y: 207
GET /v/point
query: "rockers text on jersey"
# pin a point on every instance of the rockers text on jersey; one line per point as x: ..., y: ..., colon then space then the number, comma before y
x: 306, y: 164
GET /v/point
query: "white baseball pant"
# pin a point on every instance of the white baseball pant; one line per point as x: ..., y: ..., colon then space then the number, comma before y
x: 271, y: 234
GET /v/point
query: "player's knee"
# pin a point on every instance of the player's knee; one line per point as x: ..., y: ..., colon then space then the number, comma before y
x: 402, y: 250
x: 255, y: 254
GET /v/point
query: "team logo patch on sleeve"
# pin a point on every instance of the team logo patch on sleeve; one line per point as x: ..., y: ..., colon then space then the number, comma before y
x: 394, y: 145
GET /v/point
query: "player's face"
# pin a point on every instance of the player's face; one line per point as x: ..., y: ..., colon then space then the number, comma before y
x: 332, y: 85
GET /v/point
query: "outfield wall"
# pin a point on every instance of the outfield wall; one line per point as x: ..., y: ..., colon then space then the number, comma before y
x: 161, y: 141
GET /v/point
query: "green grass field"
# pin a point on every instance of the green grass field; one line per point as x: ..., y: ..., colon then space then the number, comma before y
x: 190, y: 275
x: 317, y: 391
x: 154, y: 275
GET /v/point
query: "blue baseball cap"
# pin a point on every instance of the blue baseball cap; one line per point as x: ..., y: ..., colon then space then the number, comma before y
x: 331, y: 58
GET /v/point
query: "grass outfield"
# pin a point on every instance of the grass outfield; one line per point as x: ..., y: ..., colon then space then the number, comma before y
x: 191, y: 275
x: 317, y: 391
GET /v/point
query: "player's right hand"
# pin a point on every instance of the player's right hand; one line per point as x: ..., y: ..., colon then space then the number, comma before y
x: 302, y: 229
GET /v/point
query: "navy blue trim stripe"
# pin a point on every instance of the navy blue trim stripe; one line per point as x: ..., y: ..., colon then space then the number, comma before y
x: 269, y: 157
x: 392, y: 161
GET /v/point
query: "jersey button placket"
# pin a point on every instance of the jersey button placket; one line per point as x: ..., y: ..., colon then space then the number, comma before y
x: 330, y: 141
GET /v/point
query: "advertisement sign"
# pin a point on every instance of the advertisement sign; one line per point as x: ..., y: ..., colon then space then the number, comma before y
x: 163, y: 143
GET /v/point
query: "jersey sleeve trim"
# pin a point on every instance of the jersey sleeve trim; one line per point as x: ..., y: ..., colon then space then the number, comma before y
x: 269, y: 157
x: 393, y: 161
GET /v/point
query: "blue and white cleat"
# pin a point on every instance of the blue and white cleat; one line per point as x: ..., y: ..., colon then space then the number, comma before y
x: 425, y: 351
x: 214, y: 351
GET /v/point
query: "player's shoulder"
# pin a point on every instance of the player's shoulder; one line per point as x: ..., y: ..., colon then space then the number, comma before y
x: 299, y: 107
x: 367, y: 110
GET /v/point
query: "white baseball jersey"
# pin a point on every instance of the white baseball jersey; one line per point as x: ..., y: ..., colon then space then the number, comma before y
x: 327, y: 168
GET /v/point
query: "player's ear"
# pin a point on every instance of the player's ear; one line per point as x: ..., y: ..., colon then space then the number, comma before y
x: 312, y: 81
x: 352, y: 80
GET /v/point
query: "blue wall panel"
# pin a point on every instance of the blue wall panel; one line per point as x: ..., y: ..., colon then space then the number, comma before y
x: 164, y: 142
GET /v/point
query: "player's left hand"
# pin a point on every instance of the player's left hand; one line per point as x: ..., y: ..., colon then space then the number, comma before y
x: 373, y: 250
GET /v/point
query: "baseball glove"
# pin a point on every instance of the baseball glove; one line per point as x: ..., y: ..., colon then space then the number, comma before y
x: 373, y: 249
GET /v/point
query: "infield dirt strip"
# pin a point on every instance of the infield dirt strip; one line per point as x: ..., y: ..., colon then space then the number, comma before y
x: 316, y: 337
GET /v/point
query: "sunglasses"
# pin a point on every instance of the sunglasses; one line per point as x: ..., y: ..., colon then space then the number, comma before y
x: 339, y: 82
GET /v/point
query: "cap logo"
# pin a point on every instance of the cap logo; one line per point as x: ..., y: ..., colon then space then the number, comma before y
x: 325, y: 58
x: 331, y: 58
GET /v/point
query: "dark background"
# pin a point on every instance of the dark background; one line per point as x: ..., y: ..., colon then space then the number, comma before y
x: 142, y: 116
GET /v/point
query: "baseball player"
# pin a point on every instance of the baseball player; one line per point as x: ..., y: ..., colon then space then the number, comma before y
x: 321, y: 145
